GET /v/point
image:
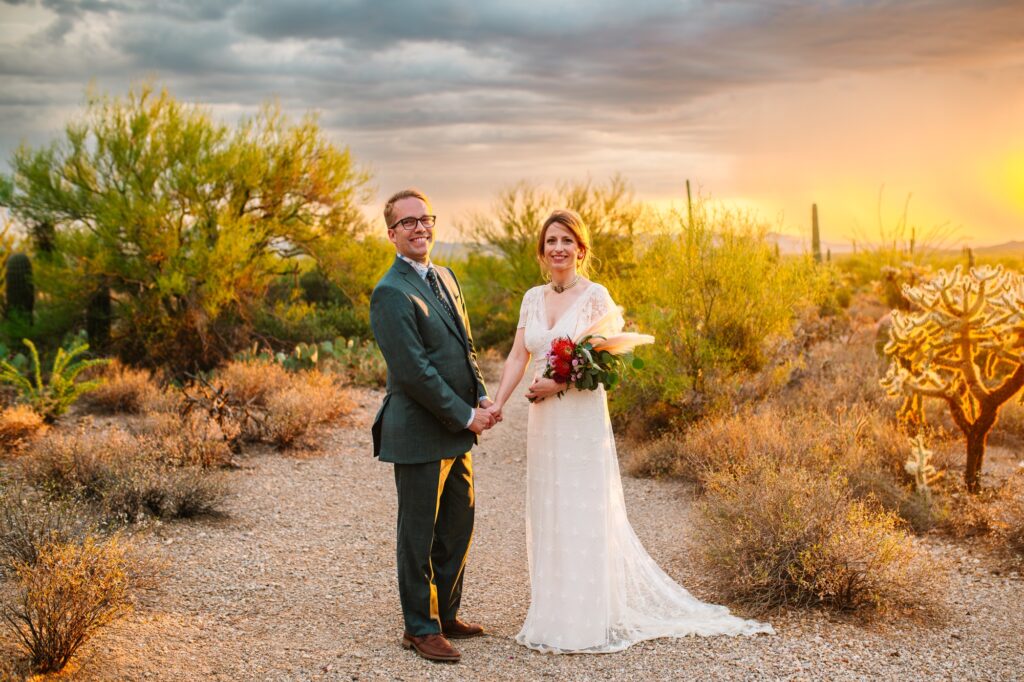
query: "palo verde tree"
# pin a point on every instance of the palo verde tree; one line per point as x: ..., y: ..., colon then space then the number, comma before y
x: 184, y: 220
x: 962, y: 342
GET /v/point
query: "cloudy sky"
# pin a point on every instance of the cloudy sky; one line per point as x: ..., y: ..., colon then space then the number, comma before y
x: 769, y: 105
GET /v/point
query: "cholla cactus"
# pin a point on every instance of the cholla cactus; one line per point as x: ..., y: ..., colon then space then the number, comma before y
x: 919, y: 465
x: 962, y: 343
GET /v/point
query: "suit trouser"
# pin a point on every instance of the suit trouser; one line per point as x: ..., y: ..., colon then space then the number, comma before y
x: 435, y: 528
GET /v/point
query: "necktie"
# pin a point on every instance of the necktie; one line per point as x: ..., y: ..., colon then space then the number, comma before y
x: 435, y: 286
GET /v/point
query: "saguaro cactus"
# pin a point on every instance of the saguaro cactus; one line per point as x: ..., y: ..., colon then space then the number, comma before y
x: 97, y: 318
x: 815, y: 234
x: 21, y: 293
x: 963, y: 342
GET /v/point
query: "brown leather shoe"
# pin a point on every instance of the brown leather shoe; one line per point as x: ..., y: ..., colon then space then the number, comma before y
x: 456, y: 629
x: 433, y: 647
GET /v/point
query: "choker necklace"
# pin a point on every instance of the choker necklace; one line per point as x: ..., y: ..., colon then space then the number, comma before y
x: 559, y: 288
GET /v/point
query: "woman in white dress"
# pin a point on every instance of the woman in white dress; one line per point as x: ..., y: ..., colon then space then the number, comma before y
x: 593, y: 587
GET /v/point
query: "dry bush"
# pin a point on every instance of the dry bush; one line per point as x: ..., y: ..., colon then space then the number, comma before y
x: 851, y: 439
x: 193, y: 439
x: 70, y: 592
x: 124, y: 390
x: 655, y: 459
x: 865, y: 447
x: 19, y: 424
x: 837, y: 372
x: 307, y: 400
x: 779, y: 535
x: 28, y: 522
x: 250, y: 382
x: 1010, y: 426
x: 127, y: 476
x: 1010, y: 511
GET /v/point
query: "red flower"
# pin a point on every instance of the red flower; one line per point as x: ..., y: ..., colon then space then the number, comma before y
x: 562, y: 367
x: 563, y: 348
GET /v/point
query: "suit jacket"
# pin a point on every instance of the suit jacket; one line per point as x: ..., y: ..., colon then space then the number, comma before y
x: 434, y: 382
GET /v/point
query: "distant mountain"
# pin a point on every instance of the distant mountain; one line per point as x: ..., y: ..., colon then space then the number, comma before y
x: 1015, y: 247
x: 450, y: 251
x: 790, y: 245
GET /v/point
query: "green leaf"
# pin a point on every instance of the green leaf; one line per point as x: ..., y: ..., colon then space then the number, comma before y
x: 638, y: 363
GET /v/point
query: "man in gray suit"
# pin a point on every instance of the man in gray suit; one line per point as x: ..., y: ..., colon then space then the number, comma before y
x: 434, y: 409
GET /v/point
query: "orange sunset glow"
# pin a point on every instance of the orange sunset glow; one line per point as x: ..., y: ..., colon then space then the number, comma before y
x: 765, y: 106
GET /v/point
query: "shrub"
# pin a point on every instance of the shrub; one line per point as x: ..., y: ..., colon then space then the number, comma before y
x: 776, y: 535
x: 256, y: 197
x: 310, y: 398
x: 192, y: 439
x: 126, y: 476
x: 657, y: 458
x: 269, y: 404
x: 29, y: 522
x: 123, y: 390
x: 294, y: 321
x: 70, y: 592
x: 249, y: 382
x: 17, y: 425
x: 717, y: 298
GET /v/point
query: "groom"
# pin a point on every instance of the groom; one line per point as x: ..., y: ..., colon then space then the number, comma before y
x: 433, y: 411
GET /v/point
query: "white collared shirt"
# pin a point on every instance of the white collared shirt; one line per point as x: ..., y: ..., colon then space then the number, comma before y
x: 420, y: 268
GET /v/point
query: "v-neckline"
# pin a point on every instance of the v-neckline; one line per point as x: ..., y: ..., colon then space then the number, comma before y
x: 544, y: 306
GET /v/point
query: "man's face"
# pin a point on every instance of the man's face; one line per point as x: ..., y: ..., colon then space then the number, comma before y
x: 416, y: 243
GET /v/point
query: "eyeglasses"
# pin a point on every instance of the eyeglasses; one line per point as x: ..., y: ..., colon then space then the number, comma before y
x: 426, y: 221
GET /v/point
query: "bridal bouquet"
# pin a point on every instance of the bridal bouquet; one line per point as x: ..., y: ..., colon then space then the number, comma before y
x: 595, y: 359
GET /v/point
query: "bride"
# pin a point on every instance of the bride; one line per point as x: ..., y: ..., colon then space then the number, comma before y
x: 593, y: 587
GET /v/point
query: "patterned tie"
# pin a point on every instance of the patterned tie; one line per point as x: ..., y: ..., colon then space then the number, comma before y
x: 435, y: 286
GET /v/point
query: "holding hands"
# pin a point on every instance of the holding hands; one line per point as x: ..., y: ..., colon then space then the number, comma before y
x: 482, y: 420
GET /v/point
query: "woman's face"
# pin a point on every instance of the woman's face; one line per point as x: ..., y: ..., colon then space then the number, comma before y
x: 561, y: 252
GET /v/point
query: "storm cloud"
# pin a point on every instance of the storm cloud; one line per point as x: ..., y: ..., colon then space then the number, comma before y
x: 402, y: 81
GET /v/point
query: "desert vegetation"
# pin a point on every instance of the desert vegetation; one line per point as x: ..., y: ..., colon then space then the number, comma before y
x: 831, y: 413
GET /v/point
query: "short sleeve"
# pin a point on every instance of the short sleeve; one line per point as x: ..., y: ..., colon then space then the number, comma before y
x: 599, y: 309
x: 526, y: 307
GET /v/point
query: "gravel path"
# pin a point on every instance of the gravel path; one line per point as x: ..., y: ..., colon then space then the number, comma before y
x: 298, y: 583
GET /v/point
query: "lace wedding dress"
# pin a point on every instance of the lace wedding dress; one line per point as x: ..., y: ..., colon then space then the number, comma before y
x: 593, y: 587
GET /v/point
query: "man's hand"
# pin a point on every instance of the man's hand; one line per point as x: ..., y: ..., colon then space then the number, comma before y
x: 492, y: 407
x: 482, y: 420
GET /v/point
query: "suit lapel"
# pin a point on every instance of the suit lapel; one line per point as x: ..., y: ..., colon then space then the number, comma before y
x: 414, y: 279
x: 448, y: 285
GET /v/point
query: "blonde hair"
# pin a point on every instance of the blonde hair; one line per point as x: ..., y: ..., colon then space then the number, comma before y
x: 571, y: 221
x: 408, y: 193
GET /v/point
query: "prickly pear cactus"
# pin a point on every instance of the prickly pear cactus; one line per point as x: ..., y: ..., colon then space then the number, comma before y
x: 962, y: 342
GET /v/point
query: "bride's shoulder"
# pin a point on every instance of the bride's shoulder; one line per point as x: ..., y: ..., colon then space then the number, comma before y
x: 598, y: 289
x: 533, y: 292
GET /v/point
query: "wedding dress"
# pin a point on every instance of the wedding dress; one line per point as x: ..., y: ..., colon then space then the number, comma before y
x: 593, y: 587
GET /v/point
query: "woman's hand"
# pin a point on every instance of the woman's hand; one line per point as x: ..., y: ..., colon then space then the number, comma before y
x: 542, y: 388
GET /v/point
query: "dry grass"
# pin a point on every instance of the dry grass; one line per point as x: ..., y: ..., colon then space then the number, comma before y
x: 278, y: 407
x: 307, y: 400
x: 124, y: 390
x: 782, y: 536
x: 18, y: 425
x: 29, y: 521
x: 65, y: 596
x: 126, y: 476
x: 186, y: 440
x: 250, y: 382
